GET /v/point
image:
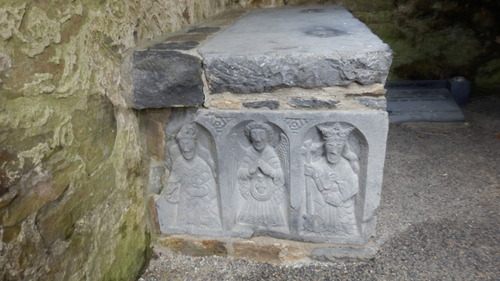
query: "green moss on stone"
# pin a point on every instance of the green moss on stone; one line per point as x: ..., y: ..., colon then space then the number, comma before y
x: 131, y: 251
x: 488, y: 75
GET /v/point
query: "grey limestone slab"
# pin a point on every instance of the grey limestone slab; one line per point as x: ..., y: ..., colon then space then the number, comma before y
x: 422, y: 101
x: 292, y: 46
x: 305, y: 175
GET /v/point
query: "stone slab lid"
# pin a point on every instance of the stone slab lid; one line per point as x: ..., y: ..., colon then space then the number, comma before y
x: 311, y: 46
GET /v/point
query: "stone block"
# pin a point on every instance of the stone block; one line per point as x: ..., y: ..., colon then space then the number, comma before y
x: 290, y: 47
x: 304, y: 175
x: 261, y: 253
x: 195, y: 248
x: 166, y: 79
x: 271, y: 104
x: 312, y: 103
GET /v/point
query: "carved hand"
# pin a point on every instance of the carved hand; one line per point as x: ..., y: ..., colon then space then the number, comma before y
x: 265, y: 168
x: 310, y: 171
x: 172, y: 187
x: 172, y: 192
x: 253, y: 169
x: 332, y: 198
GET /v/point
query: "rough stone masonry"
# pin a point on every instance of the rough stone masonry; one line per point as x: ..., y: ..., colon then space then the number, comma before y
x: 279, y: 130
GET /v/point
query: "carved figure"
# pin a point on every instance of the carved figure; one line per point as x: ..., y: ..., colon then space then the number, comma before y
x: 333, y: 185
x: 192, y: 185
x: 261, y: 179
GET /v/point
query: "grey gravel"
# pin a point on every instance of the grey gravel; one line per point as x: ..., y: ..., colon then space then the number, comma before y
x: 439, y: 216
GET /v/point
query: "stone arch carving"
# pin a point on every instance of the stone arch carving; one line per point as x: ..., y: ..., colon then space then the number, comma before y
x: 260, y: 175
x: 333, y: 156
x: 191, y: 195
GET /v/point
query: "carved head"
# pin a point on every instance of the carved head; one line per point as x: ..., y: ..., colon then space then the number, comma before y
x: 187, y: 140
x: 259, y: 134
x: 335, y: 140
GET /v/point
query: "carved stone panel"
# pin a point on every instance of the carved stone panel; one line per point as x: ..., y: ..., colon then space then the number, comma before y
x: 190, y: 200
x: 259, y: 176
x: 303, y: 175
x: 331, y: 153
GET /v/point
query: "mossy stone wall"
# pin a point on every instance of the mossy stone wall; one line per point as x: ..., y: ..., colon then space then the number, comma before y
x: 72, y: 188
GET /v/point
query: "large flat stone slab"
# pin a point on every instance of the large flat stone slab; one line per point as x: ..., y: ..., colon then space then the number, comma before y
x: 303, y: 175
x: 422, y: 101
x: 295, y: 46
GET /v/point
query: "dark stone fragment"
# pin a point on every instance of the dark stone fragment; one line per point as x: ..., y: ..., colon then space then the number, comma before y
x: 166, y: 79
x: 373, y: 103
x: 312, y: 103
x: 188, y: 45
x: 271, y: 104
x: 207, y: 29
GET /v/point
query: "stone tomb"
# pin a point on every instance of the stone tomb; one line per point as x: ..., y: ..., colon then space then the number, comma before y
x: 279, y: 129
x: 302, y: 175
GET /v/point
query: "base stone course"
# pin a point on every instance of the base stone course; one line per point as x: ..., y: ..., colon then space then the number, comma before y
x: 284, y: 160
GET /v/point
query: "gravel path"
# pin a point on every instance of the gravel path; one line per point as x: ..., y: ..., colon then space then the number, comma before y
x: 439, y: 217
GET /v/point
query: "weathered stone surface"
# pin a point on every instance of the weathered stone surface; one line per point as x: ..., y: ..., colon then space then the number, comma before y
x: 271, y: 104
x: 70, y: 155
x: 270, y: 250
x: 272, y: 48
x: 262, y: 253
x: 226, y: 103
x: 312, y: 103
x: 376, y: 103
x: 166, y: 79
x: 155, y: 179
x: 302, y: 175
x: 195, y: 248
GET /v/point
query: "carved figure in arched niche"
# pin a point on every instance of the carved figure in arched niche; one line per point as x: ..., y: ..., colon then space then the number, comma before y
x: 192, y: 184
x: 260, y: 177
x: 332, y: 182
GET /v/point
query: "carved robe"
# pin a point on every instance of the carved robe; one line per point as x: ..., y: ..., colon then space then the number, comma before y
x: 262, y: 187
x: 193, y: 188
x: 335, y: 204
